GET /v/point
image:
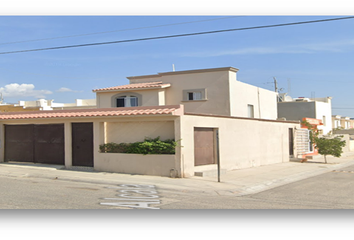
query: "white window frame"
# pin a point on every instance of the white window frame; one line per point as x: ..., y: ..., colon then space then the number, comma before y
x: 128, y: 96
x: 128, y: 100
x: 197, y: 94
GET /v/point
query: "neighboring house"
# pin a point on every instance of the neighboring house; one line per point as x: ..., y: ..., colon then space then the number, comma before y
x: 208, y: 112
x: 43, y: 104
x: 305, y: 146
x: 316, y: 108
x: 340, y: 122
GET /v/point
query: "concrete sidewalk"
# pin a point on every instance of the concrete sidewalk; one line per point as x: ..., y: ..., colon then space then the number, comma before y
x: 236, y: 183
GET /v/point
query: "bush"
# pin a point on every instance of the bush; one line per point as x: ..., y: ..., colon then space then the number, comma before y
x: 149, y: 146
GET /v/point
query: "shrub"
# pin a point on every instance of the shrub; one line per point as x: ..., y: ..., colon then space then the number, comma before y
x: 148, y: 146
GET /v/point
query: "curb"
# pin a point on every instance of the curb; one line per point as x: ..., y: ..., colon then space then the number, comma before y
x: 283, y: 181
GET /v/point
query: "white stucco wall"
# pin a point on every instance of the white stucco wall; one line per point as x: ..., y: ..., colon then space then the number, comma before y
x: 324, y: 109
x: 243, y: 143
x: 242, y: 94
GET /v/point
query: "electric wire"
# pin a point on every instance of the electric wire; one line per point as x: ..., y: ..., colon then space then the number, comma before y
x: 121, y: 30
x: 178, y: 35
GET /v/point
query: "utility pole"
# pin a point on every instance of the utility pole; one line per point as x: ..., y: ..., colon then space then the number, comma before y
x: 275, y: 85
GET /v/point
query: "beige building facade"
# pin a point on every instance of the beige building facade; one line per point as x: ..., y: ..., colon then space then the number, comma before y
x: 211, y: 115
x: 209, y: 91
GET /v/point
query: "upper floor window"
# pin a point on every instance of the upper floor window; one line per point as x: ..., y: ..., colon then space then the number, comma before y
x: 126, y: 100
x: 250, y: 111
x: 194, y: 94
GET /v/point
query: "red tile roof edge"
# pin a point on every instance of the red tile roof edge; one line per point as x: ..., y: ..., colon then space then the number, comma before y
x: 135, y: 86
x: 96, y: 112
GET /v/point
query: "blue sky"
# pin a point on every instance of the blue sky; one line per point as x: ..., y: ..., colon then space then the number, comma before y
x: 307, y: 60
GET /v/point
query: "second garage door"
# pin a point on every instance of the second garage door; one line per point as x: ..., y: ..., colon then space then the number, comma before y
x: 42, y: 143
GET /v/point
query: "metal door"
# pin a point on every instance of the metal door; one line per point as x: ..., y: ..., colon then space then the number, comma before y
x: 82, y: 144
x: 19, y: 143
x: 204, y: 148
x: 49, y: 143
x: 291, y: 142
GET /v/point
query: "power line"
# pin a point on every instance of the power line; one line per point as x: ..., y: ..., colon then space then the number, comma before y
x: 178, y: 35
x: 121, y: 30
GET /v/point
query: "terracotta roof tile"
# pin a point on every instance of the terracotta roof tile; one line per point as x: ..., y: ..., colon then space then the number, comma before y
x: 96, y: 112
x: 135, y: 86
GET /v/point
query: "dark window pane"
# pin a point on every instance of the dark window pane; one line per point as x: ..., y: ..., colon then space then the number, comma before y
x: 190, y: 96
x: 120, y: 102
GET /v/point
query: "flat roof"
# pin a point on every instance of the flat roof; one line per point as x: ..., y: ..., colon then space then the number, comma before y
x: 186, y: 72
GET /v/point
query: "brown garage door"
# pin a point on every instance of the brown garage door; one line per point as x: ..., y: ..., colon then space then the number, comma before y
x: 42, y: 143
x: 19, y: 143
x: 204, y: 150
x: 49, y: 143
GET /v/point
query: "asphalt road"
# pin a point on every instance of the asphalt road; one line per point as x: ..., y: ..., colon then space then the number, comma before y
x: 333, y: 190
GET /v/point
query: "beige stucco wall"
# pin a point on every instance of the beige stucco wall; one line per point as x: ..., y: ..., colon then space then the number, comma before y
x: 225, y: 95
x: 153, y: 97
x: 243, y: 143
x: 128, y: 132
x: 217, y: 92
x: 157, y: 165
x: 215, y: 83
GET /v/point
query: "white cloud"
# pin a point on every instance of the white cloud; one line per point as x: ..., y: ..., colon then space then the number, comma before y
x: 64, y: 89
x: 23, y: 90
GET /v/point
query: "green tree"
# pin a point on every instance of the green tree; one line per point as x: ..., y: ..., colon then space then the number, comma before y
x: 330, y: 146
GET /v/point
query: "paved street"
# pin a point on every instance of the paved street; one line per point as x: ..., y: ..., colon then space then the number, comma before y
x: 332, y: 190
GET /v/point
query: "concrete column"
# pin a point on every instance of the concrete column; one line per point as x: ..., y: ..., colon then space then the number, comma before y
x: 68, y: 145
x: 98, y: 139
x: 2, y: 142
x: 179, y: 154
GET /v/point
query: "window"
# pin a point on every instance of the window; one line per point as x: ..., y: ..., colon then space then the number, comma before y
x: 324, y: 120
x: 194, y: 95
x: 250, y: 111
x: 126, y: 100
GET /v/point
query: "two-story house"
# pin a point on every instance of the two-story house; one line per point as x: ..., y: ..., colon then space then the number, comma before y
x: 213, y: 116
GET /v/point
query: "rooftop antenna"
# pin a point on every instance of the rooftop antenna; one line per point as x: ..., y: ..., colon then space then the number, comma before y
x: 173, y: 67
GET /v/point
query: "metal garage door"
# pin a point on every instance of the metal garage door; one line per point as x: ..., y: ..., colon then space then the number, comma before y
x: 82, y: 144
x: 43, y: 143
x: 204, y: 148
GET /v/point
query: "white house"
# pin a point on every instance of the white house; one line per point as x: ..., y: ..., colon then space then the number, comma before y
x: 299, y: 108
